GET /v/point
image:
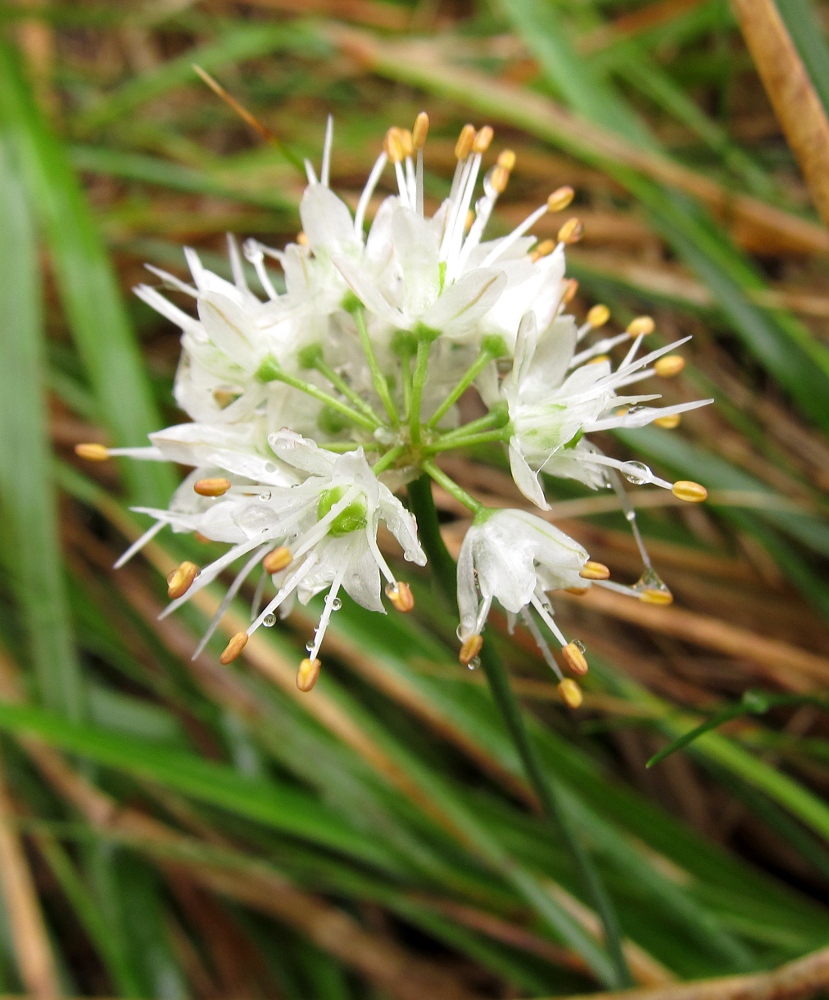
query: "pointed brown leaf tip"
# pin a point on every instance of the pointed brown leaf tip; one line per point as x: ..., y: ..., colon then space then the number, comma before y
x: 470, y: 649
x: 212, y: 487
x: 277, y: 560
x: 571, y: 693
x: 181, y: 579
x: 92, y: 452
x: 234, y: 648
x: 306, y: 676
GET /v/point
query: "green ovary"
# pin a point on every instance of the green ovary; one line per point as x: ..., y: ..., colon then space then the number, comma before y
x: 351, y: 518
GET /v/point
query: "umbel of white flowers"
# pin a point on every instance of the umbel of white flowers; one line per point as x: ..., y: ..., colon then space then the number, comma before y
x: 312, y: 408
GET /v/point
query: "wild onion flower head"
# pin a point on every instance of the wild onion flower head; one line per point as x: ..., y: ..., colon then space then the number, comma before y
x: 313, y: 407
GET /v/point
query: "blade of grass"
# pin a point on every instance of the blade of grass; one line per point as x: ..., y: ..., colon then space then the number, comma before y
x: 31, y: 547
x: 87, y: 284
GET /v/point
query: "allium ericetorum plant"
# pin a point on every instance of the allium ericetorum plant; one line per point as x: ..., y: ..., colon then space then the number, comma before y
x: 312, y: 409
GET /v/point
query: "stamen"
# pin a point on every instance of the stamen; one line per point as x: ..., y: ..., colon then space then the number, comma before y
x: 92, y: 452
x: 277, y: 560
x: 234, y: 648
x: 211, y: 487
x: 571, y: 693
x: 573, y: 655
x: 571, y: 232
x: 325, y: 172
x: 172, y: 281
x: 542, y: 250
x: 463, y: 147
x: 594, y: 571
x: 232, y: 591
x: 670, y: 365
x: 307, y: 674
x: 406, y: 142
x: 541, y: 642
x: 368, y: 191
x: 181, y: 579
x: 401, y: 596
x: 641, y: 326
x: 139, y: 544
x: 560, y: 199
x: 470, y: 649
x: 253, y: 253
x: 670, y: 422
x: 420, y: 130
x: 482, y: 140
x: 598, y: 316
x: 302, y: 239
x: 690, y: 492
x: 570, y: 291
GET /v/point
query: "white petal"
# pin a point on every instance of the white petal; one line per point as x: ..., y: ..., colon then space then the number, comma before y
x: 327, y: 221
x: 364, y: 286
x: 302, y: 453
x: 465, y: 302
x: 525, y: 479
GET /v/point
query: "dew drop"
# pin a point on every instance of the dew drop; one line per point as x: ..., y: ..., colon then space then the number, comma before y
x: 580, y: 646
x: 392, y: 590
x: 636, y: 472
x: 269, y: 621
x: 309, y: 645
x: 474, y: 663
x: 336, y: 604
x: 265, y: 495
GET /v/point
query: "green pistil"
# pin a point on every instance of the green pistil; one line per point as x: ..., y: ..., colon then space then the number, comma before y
x: 351, y: 518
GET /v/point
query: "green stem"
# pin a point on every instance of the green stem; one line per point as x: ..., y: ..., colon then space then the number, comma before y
x: 445, y: 579
x: 460, y: 441
x: 468, y: 377
x: 386, y: 460
x: 424, y: 346
x: 495, y: 418
x: 379, y: 380
x: 450, y: 486
x: 273, y: 373
x: 350, y: 394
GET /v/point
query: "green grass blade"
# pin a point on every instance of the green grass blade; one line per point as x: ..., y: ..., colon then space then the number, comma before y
x: 31, y: 546
x: 809, y: 36
x: 86, y: 281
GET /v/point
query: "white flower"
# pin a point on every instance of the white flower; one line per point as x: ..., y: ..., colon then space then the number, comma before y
x: 514, y: 557
x: 550, y: 409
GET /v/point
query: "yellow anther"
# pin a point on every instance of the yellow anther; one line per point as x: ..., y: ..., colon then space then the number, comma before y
x: 212, y: 487
x: 224, y: 397
x: 92, y: 452
x: 578, y: 591
x: 570, y: 692
x: 306, y: 676
x: 234, y: 648
x: 181, y: 579
x: 560, y: 199
x: 669, y: 365
x: 463, y: 147
x: 641, y: 326
x: 597, y: 361
x: 598, y: 316
x: 499, y: 178
x: 506, y: 159
x: 393, y: 145
x: 302, y: 238
x: 406, y: 142
x: 401, y: 596
x: 277, y: 560
x: 570, y: 291
x: 669, y: 422
x: 483, y: 137
x: 571, y: 232
x: 543, y: 250
x: 657, y: 596
x: 420, y: 130
x: 573, y: 656
x: 201, y: 538
x: 467, y: 222
x: 594, y: 571
x: 685, y: 489
x: 470, y: 649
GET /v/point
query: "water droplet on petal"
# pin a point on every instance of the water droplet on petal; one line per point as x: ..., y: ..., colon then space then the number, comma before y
x: 265, y: 495
x: 336, y: 604
x: 269, y: 621
x: 309, y: 645
x: 636, y: 472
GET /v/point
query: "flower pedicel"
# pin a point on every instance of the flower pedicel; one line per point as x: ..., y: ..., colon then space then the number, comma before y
x: 311, y: 409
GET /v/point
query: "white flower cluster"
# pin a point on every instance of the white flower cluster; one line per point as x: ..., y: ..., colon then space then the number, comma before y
x: 312, y: 407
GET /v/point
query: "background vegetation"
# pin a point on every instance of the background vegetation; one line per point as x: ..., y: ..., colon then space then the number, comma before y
x: 174, y: 829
